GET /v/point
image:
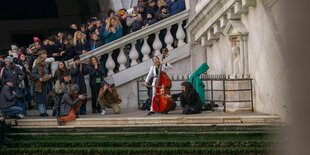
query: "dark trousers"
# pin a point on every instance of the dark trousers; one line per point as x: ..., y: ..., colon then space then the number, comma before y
x: 83, y: 109
x: 94, y: 95
x: 3, y: 131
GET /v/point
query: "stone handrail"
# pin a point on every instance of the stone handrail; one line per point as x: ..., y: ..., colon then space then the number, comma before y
x: 145, y: 49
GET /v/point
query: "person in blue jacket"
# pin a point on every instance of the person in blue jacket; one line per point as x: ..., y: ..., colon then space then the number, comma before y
x: 176, y: 6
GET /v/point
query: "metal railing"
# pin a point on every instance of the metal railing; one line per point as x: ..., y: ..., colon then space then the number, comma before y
x: 214, y: 84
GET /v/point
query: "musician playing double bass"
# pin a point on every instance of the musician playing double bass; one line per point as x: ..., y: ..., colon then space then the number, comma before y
x: 155, y: 71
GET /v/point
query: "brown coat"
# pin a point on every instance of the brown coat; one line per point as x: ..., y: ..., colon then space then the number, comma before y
x: 107, y: 97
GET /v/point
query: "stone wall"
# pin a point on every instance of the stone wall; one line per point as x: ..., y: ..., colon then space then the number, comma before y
x: 266, y: 64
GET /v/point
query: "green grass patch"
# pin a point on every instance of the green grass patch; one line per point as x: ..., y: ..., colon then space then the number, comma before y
x: 131, y: 150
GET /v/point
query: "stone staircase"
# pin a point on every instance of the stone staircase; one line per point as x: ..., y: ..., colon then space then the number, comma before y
x: 133, y: 119
x: 132, y: 132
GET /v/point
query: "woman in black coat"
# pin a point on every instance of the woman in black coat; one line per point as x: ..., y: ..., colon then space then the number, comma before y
x: 77, y: 71
x: 96, y: 74
x: 190, y: 101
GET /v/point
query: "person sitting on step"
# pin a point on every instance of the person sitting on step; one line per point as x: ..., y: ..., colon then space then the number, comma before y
x: 109, y: 98
x: 7, y: 101
x: 70, y: 104
x: 190, y: 101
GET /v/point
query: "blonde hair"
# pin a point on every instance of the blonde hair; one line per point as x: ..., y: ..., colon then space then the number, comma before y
x: 117, y: 23
x: 75, y: 37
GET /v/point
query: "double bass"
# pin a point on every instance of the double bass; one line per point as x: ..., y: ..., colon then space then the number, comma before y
x: 162, y: 102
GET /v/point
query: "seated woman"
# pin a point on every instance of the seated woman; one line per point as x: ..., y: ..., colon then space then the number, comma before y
x: 70, y: 105
x: 109, y: 98
x: 190, y: 101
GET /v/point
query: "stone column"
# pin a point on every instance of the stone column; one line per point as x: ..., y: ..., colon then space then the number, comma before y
x: 246, y: 57
x: 241, y: 56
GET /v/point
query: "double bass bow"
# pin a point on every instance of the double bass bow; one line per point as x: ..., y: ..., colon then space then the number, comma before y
x: 162, y: 102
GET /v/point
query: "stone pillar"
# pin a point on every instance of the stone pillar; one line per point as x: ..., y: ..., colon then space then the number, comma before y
x: 246, y: 57
x: 241, y: 55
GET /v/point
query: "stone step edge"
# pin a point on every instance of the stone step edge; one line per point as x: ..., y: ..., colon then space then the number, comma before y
x: 154, y: 118
x: 153, y: 125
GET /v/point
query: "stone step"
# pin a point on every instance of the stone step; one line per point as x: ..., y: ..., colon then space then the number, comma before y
x: 146, y: 121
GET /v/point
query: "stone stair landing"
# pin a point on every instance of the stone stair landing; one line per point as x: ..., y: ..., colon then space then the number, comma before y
x: 134, y: 118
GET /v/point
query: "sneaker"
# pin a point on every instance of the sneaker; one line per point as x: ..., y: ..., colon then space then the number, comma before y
x: 20, y: 116
x: 44, y: 115
x: 103, y: 112
x: 59, y: 122
x: 150, y: 113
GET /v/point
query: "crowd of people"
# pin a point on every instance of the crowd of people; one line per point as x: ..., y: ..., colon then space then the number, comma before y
x: 25, y: 72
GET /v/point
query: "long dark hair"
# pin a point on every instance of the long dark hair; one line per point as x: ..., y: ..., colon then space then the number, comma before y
x: 59, y: 73
x: 188, y: 87
x: 90, y: 63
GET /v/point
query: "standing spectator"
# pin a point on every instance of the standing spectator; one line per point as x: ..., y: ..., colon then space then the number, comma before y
x: 142, y: 3
x: 61, y: 69
x: 23, y: 61
x: 2, y: 64
x: 71, y: 31
x: 163, y: 13
x: 141, y: 10
x: 41, y: 78
x: 70, y: 104
x: 176, y: 6
x: 113, y: 30
x: 14, y: 50
x: 137, y: 21
x: 83, y: 29
x: 125, y: 21
x: 7, y: 105
x: 78, y: 71
x: 94, y: 42
x: 96, y: 74
x: 59, y: 39
x: 152, y: 7
x: 149, y: 20
x: 79, y: 43
x: 161, y: 3
x: 68, y: 50
x: 52, y: 49
x: 13, y: 72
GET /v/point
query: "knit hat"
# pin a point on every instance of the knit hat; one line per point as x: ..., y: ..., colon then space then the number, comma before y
x: 9, y: 80
x: 74, y: 87
x: 14, y: 46
x: 76, y: 58
x: 19, y: 55
x: 9, y: 59
x: 36, y: 39
x: 121, y: 13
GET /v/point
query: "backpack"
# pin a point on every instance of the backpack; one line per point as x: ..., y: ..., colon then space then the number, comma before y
x: 57, y: 104
x: 146, y: 104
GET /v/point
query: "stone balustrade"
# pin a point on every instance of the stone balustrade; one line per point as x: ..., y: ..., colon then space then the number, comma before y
x: 216, y: 18
x: 127, y: 44
x: 213, y: 16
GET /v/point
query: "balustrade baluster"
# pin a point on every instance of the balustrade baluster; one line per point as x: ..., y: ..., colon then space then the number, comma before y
x: 180, y: 35
x: 145, y: 49
x: 169, y: 38
x: 134, y: 55
x: 121, y: 59
x: 157, y: 45
x: 110, y: 64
